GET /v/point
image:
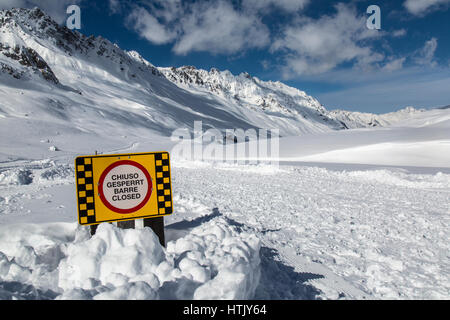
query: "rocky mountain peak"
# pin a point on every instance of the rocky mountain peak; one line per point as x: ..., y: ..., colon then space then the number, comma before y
x: 33, y: 33
x: 251, y: 93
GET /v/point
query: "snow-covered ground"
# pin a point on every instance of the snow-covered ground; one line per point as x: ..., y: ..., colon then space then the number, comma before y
x: 422, y: 140
x: 301, y: 230
x: 297, y: 231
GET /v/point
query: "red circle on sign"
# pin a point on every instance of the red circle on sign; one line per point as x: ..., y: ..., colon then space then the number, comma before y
x: 147, y: 195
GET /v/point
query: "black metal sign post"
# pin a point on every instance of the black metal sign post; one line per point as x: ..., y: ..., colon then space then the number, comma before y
x: 126, y: 224
x: 157, y: 225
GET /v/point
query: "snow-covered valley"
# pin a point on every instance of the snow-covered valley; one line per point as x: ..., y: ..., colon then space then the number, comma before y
x: 360, y: 213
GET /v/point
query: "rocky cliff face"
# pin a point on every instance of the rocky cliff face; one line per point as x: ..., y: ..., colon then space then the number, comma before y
x: 28, y: 58
x: 20, y: 27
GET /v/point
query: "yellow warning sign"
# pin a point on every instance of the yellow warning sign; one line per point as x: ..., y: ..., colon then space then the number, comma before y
x: 122, y: 187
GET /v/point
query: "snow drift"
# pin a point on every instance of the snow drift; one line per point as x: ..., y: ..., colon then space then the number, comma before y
x: 62, y: 261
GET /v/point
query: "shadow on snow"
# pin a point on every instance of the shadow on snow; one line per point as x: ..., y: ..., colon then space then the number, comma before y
x: 278, y: 281
x: 15, y: 290
x: 281, y: 282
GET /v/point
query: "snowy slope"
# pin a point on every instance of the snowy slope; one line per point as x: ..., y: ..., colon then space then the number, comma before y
x: 53, y: 78
x: 64, y: 78
x: 271, y: 99
x: 423, y: 140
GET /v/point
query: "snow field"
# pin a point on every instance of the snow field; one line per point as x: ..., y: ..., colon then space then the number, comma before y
x: 384, y: 232
x: 427, y: 153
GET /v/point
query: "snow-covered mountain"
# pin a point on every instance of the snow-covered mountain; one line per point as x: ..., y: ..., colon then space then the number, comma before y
x: 66, y: 78
x: 273, y: 99
x: 353, y: 119
x: 277, y: 98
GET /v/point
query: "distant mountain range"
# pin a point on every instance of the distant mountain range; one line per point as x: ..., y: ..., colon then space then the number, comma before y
x: 86, y: 81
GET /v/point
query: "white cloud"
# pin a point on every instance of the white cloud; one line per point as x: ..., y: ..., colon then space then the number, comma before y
x: 399, y: 33
x: 149, y: 27
x: 422, y: 7
x: 317, y: 46
x: 305, y: 46
x: 219, y: 28
x: 425, y: 55
x: 287, y: 5
x: 55, y: 8
x: 114, y: 6
x: 394, y: 64
x: 211, y: 26
x: 167, y: 10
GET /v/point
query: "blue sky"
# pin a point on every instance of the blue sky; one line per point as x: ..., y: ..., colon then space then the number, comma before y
x: 321, y: 47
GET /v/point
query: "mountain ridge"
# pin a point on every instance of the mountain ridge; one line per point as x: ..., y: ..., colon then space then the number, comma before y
x: 33, y: 47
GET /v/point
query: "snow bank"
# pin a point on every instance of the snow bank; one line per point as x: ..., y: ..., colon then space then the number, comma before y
x: 16, y: 177
x: 58, y: 173
x: 439, y: 180
x: 263, y: 168
x: 212, y: 261
x: 435, y: 153
x: 224, y: 261
x: 39, y: 172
